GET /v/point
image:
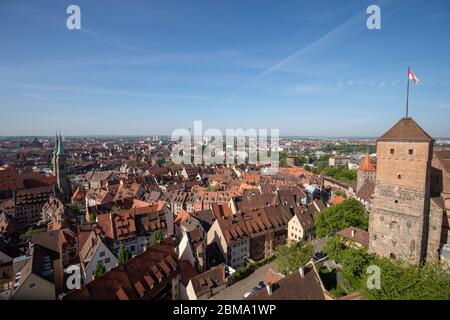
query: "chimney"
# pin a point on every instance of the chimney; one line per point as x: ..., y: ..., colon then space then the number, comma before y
x: 353, y: 233
x: 269, y: 289
x: 301, y: 270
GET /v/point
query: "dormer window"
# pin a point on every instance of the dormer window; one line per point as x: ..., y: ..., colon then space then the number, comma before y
x: 392, y: 151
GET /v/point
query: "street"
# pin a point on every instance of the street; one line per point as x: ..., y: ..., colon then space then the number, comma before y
x: 237, y: 290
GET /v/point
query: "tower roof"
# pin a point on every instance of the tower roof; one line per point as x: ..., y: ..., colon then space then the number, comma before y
x: 366, y: 164
x: 55, y: 149
x: 406, y: 130
x: 59, y: 147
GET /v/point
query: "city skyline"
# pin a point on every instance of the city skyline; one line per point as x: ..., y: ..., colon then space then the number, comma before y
x: 307, y: 69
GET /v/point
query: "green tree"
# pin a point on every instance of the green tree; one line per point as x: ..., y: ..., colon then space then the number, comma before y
x: 92, y: 217
x: 324, y: 158
x: 290, y: 257
x: 123, y: 255
x: 356, y: 260
x: 334, y: 248
x: 301, y: 160
x: 330, y: 171
x: 70, y: 163
x: 100, y: 269
x: 161, y: 162
x: 283, y: 158
x: 158, y: 236
x: 74, y: 207
x: 399, y: 280
x: 340, y: 193
x: 350, y: 213
x: 343, y: 174
x: 26, y: 236
x: 402, y: 281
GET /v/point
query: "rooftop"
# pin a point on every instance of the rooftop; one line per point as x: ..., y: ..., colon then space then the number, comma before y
x: 406, y: 129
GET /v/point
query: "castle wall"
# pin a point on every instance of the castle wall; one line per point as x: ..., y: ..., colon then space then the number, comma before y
x: 398, y: 222
x: 434, y: 231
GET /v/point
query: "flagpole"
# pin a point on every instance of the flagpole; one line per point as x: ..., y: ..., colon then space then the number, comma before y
x: 407, y: 93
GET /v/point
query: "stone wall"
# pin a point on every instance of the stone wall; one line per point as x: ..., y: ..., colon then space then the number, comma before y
x: 398, y: 223
x: 396, y: 235
x: 434, y: 231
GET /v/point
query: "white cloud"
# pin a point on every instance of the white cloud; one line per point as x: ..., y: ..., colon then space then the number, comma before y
x: 394, y: 83
x: 311, y: 89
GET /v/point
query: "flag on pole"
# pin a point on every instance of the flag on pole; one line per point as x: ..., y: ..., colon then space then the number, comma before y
x: 413, y: 77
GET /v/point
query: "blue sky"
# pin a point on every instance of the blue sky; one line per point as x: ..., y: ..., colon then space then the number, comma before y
x: 304, y: 67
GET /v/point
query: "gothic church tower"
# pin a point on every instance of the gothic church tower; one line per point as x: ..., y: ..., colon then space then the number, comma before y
x: 59, y: 170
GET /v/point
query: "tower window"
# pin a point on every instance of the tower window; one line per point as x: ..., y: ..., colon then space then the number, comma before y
x: 410, y: 152
x: 392, y: 151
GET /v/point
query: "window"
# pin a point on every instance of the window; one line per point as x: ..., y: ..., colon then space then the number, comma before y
x: 107, y: 260
x: 392, y: 151
x: 102, y: 253
x: 399, y: 176
x: 410, y: 152
x: 32, y: 285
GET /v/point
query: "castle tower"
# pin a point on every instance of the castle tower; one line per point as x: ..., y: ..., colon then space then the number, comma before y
x: 398, y: 224
x: 366, y: 172
x: 59, y: 170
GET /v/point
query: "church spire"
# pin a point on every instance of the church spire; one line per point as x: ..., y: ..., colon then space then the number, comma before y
x: 55, y: 149
x: 60, y: 170
x: 60, y: 146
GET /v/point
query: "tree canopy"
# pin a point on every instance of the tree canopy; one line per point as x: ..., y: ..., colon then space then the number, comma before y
x: 158, y: 236
x: 290, y: 257
x: 340, y: 193
x: 123, y: 255
x: 27, y: 235
x: 301, y: 160
x: 398, y: 280
x: 99, y: 269
x: 343, y: 174
x: 350, y: 213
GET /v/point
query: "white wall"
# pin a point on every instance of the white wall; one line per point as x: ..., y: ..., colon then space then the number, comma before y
x: 88, y: 276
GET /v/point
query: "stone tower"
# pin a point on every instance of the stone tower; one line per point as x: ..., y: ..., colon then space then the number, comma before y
x: 398, y: 222
x: 366, y: 172
x: 59, y: 170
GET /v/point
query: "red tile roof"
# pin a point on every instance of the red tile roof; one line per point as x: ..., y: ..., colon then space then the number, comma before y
x: 294, y: 287
x: 355, y: 234
x: 143, y: 277
x: 366, y: 165
x: 406, y: 129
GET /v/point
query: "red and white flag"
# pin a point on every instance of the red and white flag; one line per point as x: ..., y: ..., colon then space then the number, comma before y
x: 413, y: 77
